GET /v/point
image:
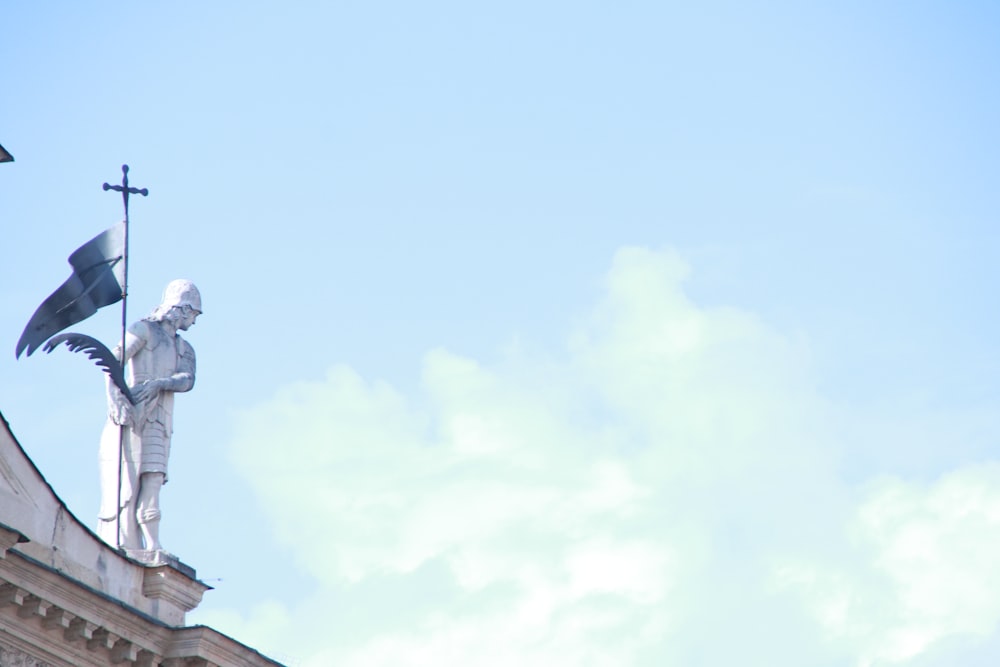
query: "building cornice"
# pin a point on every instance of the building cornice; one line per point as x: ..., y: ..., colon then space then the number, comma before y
x: 60, y: 621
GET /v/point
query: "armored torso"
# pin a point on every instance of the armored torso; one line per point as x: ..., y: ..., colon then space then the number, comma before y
x: 162, y: 355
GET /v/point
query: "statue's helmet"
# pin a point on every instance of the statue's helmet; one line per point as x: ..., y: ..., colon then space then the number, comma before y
x: 182, y: 293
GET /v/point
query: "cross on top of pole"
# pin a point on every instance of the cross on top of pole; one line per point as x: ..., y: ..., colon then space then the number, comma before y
x: 125, y: 189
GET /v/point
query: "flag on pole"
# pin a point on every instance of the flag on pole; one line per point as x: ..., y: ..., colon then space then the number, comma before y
x: 97, y: 279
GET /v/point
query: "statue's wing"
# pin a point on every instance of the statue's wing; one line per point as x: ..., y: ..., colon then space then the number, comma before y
x: 97, y: 351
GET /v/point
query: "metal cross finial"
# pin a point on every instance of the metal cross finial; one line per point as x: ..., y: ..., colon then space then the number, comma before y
x: 125, y: 189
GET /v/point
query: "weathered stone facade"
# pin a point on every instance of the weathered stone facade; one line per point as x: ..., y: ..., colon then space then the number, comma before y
x: 11, y: 657
x: 67, y: 599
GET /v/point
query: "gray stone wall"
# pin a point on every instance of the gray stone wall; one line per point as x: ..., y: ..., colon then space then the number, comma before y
x: 11, y: 657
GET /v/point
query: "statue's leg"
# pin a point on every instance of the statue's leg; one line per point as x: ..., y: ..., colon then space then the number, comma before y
x: 148, y: 509
x: 131, y: 537
x: 116, y: 519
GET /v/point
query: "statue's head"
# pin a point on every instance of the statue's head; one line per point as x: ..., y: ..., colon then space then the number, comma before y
x: 181, y: 304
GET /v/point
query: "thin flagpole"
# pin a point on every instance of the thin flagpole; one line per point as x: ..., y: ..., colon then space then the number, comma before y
x: 121, y: 360
x: 126, y: 191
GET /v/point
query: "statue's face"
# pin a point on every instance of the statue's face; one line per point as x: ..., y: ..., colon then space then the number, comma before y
x: 183, y: 316
x: 186, y: 315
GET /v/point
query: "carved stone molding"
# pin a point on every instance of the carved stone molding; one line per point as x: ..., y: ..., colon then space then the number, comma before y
x: 8, y: 538
x: 95, y: 631
x: 167, y: 583
x: 45, y: 614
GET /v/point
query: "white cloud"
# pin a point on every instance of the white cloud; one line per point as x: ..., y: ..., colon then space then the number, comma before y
x: 664, y: 491
x: 929, y: 572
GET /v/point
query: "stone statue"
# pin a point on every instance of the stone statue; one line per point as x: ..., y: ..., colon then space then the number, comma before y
x: 135, y: 444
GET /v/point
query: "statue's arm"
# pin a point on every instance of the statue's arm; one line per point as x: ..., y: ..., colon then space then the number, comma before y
x: 183, y: 378
x: 119, y: 408
x: 135, y: 340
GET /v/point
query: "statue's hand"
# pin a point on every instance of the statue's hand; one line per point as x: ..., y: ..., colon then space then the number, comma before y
x: 147, y: 390
x: 119, y: 408
x: 121, y: 414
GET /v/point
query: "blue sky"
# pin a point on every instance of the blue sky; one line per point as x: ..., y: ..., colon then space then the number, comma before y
x: 540, y: 333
